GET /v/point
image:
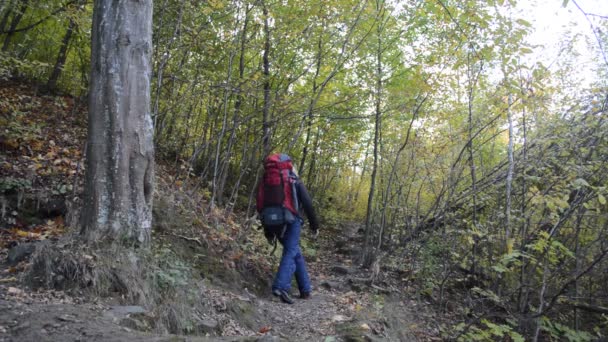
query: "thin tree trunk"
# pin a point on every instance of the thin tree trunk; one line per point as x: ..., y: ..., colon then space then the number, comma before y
x: 523, y: 288
x: 161, y: 69
x: 394, y: 168
x: 218, y: 146
x: 312, y: 179
x: 541, y: 304
x: 363, y: 172
x: 509, y: 180
x: 266, y: 73
x: 236, y: 111
x: 61, y: 57
x: 7, y: 14
x: 472, y: 159
x: 367, y: 247
x: 14, y: 23
x: 308, y: 116
x: 578, y: 258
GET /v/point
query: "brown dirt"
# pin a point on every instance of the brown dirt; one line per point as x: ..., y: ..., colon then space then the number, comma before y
x: 340, y: 310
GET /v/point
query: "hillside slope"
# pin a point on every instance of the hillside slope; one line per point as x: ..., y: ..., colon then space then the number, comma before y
x: 206, y: 277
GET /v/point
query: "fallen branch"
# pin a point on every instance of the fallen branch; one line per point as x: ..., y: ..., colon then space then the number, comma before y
x: 381, y: 289
x: 188, y: 238
x: 586, y: 307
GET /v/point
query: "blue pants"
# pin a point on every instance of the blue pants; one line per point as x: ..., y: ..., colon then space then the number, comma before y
x: 292, y: 261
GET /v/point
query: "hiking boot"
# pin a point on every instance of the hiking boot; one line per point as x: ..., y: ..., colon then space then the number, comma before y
x: 283, y: 295
x: 305, y: 295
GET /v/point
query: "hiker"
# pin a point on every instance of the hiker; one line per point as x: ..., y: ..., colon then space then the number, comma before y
x: 280, y: 196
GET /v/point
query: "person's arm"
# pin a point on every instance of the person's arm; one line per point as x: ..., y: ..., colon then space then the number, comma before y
x: 304, y: 198
x: 259, y: 203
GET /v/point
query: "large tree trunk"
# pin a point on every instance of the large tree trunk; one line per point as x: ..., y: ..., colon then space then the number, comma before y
x: 120, y: 150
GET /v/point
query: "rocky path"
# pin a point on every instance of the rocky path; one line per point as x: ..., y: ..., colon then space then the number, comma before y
x: 341, y: 309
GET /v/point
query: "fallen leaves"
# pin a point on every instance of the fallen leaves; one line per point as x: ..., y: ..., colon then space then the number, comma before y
x: 40, y: 157
x: 50, y: 229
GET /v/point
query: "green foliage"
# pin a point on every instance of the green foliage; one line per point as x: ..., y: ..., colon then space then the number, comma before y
x: 172, y: 272
x: 62, y: 189
x: 12, y: 66
x: 308, y: 248
x: 488, y: 332
x: 11, y: 184
x: 562, y: 332
x: 18, y: 128
x: 33, y: 52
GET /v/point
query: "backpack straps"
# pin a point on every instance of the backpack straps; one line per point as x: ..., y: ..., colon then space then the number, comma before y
x: 294, y: 193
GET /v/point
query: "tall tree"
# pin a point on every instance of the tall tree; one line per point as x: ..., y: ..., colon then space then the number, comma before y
x: 120, y: 152
x: 381, y: 20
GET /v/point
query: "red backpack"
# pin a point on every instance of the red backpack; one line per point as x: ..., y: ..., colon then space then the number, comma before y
x: 277, y: 198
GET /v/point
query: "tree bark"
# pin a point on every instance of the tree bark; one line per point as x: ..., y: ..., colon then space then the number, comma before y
x: 367, y: 247
x: 14, y: 23
x: 509, y: 179
x: 266, y: 73
x: 119, y: 179
x: 7, y: 14
x: 224, y: 171
x: 61, y: 57
x: 308, y: 116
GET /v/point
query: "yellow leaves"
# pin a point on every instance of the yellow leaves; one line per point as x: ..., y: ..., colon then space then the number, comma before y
x: 51, y: 228
x: 8, y: 280
x: 37, y: 145
x: 10, y: 143
x: 22, y: 233
x: 216, y: 4
x: 510, y: 243
x: 470, y: 240
x: 601, y: 199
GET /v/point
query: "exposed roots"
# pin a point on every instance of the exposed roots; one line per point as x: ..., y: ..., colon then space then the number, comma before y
x: 132, y: 276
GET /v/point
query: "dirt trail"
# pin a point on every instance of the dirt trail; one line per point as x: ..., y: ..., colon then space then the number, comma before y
x: 341, y: 309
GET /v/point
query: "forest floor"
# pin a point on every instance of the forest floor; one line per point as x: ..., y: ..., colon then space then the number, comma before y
x: 342, y: 308
x: 211, y: 270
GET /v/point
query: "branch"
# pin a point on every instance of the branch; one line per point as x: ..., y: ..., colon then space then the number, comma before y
x: 570, y: 282
x: 586, y: 307
x: 187, y: 238
x: 57, y: 11
x: 597, y: 37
